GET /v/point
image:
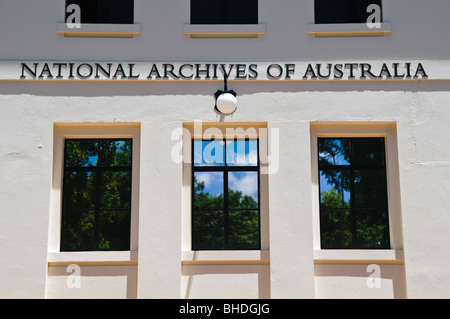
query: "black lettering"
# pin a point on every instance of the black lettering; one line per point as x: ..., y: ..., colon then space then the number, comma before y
x: 240, y: 71
x: 46, y: 69
x: 103, y: 70
x: 29, y: 70
x: 180, y: 71
x: 225, y: 73
x: 310, y: 72
x: 198, y: 70
x: 290, y: 70
x: 130, y: 74
x: 276, y: 66
x: 59, y: 65
x: 421, y: 70
x: 89, y: 67
x: 366, y: 68
x: 318, y: 66
x: 352, y: 66
x: 154, y: 69
x: 252, y: 68
x: 385, y: 70
x: 120, y: 71
x: 396, y: 75
x: 169, y: 71
x: 338, y: 69
x: 71, y: 70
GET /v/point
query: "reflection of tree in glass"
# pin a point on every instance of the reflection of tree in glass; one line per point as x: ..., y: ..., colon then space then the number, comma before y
x: 353, y: 200
x: 216, y: 228
x: 96, y: 195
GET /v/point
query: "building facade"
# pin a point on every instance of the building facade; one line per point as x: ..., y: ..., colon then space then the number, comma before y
x: 128, y: 171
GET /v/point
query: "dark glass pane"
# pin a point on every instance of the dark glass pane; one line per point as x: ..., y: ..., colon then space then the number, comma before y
x: 368, y: 151
x: 244, y: 229
x: 243, y: 190
x: 114, y: 230
x: 105, y: 11
x: 209, y: 153
x: 115, y: 152
x: 79, y: 190
x: 96, y: 195
x: 208, y: 190
x: 242, y: 152
x: 208, y: 229
x: 335, y: 228
x: 372, y: 228
x: 353, y: 193
x: 334, y: 151
x: 343, y: 11
x: 77, y: 231
x: 81, y: 153
x: 224, y: 11
x: 115, y: 190
x: 370, y: 189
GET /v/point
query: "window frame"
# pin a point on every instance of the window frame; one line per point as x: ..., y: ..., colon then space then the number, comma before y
x: 105, y: 130
x: 98, y: 170
x: 325, y: 30
x: 386, y: 130
x: 225, y: 169
x: 350, y: 169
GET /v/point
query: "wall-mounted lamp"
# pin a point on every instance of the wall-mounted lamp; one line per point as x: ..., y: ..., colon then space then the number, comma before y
x: 226, y: 102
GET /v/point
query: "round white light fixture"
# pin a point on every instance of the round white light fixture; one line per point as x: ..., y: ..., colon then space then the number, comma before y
x: 226, y: 103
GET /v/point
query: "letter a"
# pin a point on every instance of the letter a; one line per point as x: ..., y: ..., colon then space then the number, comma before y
x: 73, y: 20
x: 374, y: 20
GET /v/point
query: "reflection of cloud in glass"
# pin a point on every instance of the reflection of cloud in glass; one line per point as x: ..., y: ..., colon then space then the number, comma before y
x: 246, y: 182
x: 213, y: 182
x: 242, y: 153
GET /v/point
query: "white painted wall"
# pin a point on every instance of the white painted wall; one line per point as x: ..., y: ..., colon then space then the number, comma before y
x: 29, y: 111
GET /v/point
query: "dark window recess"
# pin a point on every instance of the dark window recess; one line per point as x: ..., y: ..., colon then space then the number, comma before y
x: 343, y: 11
x: 105, y: 11
x: 353, y: 193
x: 224, y: 11
x: 225, y: 195
x: 96, y: 203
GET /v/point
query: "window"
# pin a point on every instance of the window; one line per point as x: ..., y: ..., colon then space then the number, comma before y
x: 353, y: 193
x: 343, y: 11
x: 96, y: 200
x: 224, y: 11
x: 225, y: 194
x: 105, y: 11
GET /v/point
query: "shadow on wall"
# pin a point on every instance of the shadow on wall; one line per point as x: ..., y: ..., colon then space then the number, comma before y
x: 92, y: 281
x: 359, y: 281
x: 226, y: 281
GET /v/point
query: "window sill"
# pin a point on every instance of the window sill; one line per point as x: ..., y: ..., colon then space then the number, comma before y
x: 222, y: 257
x: 348, y: 30
x: 93, y: 258
x: 100, y: 30
x: 363, y: 256
x: 224, y: 30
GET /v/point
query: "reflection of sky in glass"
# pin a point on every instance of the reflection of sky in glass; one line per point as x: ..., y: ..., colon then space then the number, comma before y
x: 213, y: 182
x: 332, y: 151
x: 242, y: 153
x: 326, y: 186
x: 238, y: 153
x: 246, y: 182
x: 208, y: 153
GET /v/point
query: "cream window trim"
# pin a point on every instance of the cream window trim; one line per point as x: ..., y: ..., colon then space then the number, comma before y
x: 100, y: 30
x: 229, y: 257
x: 224, y: 30
x: 92, y: 258
x: 388, y: 130
x: 370, y: 256
x: 90, y: 130
x: 348, y: 30
x: 223, y: 130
